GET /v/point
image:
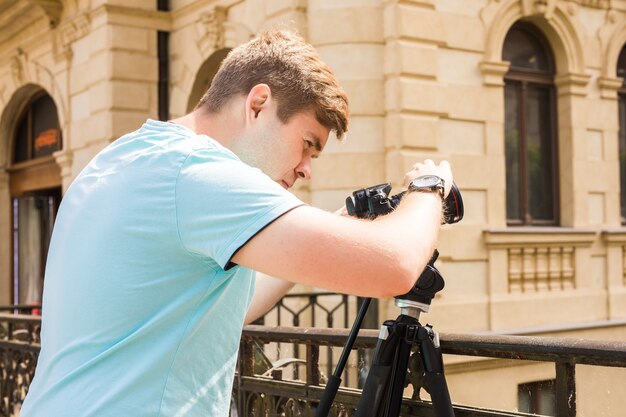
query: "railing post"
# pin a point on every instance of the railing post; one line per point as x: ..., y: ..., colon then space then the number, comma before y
x: 565, y: 389
x: 247, y: 357
x: 312, y: 364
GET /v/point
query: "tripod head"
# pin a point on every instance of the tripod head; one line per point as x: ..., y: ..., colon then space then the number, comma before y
x: 429, y: 283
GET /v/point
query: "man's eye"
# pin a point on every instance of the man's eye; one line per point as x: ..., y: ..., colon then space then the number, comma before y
x: 309, y: 144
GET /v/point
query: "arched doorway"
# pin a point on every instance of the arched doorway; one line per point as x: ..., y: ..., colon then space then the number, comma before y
x: 35, y: 191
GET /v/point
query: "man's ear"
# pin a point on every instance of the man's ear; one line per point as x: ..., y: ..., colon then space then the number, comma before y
x: 258, y: 99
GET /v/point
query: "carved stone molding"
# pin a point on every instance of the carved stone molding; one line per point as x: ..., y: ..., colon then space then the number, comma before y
x: 69, y: 32
x: 64, y: 160
x: 493, y: 72
x: 572, y: 84
x: 4, y: 179
x: 19, y: 66
x: 52, y: 9
x: 539, y: 259
x: 540, y: 7
x: 609, y: 87
x: 210, y: 29
x: 598, y: 4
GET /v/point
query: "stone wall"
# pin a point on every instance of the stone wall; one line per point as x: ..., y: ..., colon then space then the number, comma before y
x: 425, y: 80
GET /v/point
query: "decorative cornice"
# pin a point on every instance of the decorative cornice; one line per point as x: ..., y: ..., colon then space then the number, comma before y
x: 210, y: 29
x: 539, y: 7
x: 133, y: 17
x: 572, y: 84
x: 4, y: 178
x: 64, y: 159
x: 533, y: 236
x: 52, y: 9
x: 493, y: 72
x: 598, y: 4
x: 614, y: 237
x: 69, y: 32
x: 609, y: 87
x: 18, y: 67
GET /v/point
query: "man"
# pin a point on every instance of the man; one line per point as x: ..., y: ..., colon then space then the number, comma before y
x: 150, y: 270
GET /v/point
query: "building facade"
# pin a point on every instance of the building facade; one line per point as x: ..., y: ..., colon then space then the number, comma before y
x: 525, y: 98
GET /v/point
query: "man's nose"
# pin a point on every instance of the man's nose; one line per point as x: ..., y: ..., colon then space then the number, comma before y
x: 304, y: 169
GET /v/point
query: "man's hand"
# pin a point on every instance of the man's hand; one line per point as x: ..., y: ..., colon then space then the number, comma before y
x: 343, y: 211
x: 428, y: 167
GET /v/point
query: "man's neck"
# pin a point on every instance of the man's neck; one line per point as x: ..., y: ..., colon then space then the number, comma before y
x: 219, y: 126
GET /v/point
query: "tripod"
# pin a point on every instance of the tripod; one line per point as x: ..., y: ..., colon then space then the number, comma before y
x: 382, y: 393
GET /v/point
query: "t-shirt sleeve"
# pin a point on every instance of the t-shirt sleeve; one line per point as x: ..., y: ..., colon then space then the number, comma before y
x: 221, y: 203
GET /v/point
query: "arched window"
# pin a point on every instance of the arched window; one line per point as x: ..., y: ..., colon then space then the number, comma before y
x: 35, y: 186
x: 621, y: 72
x: 530, y: 129
x: 38, y: 133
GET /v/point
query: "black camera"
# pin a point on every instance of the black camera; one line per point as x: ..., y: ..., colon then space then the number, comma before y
x: 371, y: 202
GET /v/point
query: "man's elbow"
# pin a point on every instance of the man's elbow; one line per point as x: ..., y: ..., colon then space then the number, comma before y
x: 407, y: 269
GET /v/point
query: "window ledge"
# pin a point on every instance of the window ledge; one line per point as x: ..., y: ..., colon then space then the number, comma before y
x: 616, y: 236
x: 523, y: 236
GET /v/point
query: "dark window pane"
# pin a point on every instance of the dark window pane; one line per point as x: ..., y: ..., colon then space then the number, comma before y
x: 539, y: 153
x: 537, y: 398
x: 621, y: 63
x: 20, y: 153
x: 512, y: 151
x: 622, y: 154
x: 524, y: 50
x: 46, y: 133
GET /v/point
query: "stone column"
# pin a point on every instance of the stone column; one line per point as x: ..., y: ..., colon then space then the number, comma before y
x: 356, y: 56
x: 113, y: 81
x: 572, y: 147
x: 6, y: 248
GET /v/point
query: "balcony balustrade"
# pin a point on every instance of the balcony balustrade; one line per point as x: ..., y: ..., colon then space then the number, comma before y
x: 275, y: 394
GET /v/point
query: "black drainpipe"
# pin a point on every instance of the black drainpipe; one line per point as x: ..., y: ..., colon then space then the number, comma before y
x: 164, y: 65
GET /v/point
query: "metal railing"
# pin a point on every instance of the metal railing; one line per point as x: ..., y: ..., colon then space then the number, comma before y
x: 273, y: 395
x: 19, y: 350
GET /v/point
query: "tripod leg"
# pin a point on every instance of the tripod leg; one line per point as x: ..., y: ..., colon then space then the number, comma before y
x: 435, y: 378
x: 377, y: 383
x: 399, y: 373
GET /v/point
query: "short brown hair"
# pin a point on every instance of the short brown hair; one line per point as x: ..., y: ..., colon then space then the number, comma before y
x: 293, y: 70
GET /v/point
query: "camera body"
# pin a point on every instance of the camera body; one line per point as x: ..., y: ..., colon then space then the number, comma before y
x: 371, y: 202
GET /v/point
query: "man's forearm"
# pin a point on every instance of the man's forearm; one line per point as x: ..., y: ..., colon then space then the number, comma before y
x: 268, y: 290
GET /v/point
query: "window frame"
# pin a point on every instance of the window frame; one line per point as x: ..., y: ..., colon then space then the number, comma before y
x: 522, y: 79
x: 621, y: 98
x: 34, y: 173
x: 27, y: 113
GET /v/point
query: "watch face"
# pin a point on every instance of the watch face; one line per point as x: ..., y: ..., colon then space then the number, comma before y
x: 426, y: 181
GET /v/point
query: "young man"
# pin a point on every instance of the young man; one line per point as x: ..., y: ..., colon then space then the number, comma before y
x: 150, y: 269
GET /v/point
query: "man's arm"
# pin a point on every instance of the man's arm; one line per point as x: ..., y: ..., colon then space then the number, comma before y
x: 267, y: 291
x: 380, y: 258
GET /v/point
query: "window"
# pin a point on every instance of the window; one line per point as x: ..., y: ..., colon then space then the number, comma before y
x: 537, y: 398
x: 621, y: 72
x: 530, y: 129
x: 35, y: 187
x: 38, y: 133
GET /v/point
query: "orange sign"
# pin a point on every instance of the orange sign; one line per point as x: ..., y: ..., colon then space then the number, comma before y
x: 46, y: 138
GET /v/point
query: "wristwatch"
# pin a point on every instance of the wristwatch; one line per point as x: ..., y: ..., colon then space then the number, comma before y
x: 428, y: 184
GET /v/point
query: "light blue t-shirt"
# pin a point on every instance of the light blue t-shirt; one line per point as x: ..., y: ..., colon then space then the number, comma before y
x: 142, y: 311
